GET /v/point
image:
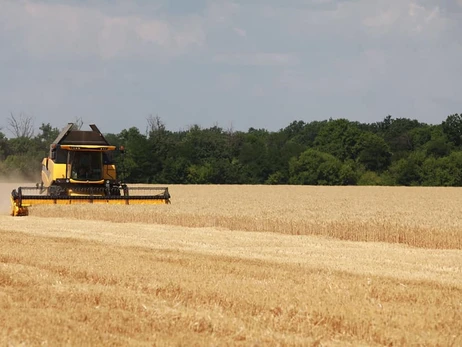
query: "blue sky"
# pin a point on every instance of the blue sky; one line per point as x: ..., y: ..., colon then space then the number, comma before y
x: 236, y: 64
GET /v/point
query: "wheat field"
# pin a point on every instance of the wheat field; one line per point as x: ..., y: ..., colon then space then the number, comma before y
x: 419, y: 217
x: 238, y: 265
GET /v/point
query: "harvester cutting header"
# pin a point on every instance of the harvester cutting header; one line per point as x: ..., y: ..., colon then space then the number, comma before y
x: 80, y: 170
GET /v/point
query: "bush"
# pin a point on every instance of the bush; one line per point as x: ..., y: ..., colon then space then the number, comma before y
x: 370, y: 178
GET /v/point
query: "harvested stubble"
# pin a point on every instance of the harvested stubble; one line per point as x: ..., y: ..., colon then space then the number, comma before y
x: 419, y: 217
x: 86, y: 282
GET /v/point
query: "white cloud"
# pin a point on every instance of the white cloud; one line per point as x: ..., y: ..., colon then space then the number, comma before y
x: 399, y: 17
x: 385, y: 18
x: 239, y: 31
x: 153, y: 31
x: 63, y: 30
x: 222, y: 12
x: 414, y: 9
x: 351, y: 19
x: 59, y: 58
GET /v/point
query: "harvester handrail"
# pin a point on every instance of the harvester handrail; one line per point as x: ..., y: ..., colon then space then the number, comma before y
x: 87, y: 148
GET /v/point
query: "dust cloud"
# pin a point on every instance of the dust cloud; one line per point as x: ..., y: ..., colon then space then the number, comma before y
x: 7, y: 184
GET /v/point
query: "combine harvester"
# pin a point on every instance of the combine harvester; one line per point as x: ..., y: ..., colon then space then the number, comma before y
x: 80, y: 170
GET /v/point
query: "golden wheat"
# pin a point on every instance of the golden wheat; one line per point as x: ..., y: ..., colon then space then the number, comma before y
x: 88, y: 282
x: 420, y: 217
x: 138, y: 275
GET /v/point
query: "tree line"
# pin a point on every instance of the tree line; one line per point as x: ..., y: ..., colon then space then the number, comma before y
x: 394, y: 151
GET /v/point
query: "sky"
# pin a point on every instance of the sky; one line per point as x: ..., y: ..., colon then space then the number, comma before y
x: 235, y: 64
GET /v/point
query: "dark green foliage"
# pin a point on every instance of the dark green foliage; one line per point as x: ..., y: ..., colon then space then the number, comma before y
x: 339, y: 138
x: 408, y: 172
x: 20, y: 158
x: 452, y: 128
x: 349, y: 173
x: 136, y: 163
x: 315, y: 168
x: 370, y: 178
x: 334, y: 152
x: 3, y: 146
x: 438, y: 146
x: 372, y: 152
x: 445, y: 171
x: 399, y: 134
x: 420, y: 136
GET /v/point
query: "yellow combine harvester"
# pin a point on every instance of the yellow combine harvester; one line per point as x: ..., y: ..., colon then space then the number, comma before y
x: 80, y: 170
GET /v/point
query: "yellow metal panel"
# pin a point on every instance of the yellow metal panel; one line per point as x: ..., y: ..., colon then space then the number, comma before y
x: 58, y: 170
x: 109, y: 172
x: 88, y: 148
x: 46, y: 173
x: 51, y: 171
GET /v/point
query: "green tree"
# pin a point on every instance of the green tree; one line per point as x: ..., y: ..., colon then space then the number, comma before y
x: 420, y: 136
x: 398, y: 134
x: 373, y: 152
x: 294, y: 129
x: 370, y: 178
x: 47, y: 134
x: 349, y: 173
x: 435, y: 172
x: 253, y: 157
x: 408, y: 171
x: 135, y: 166
x: 276, y: 178
x: 22, y: 159
x: 338, y: 138
x: 309, y: 133
x: 160, y: 143
x: 452, y: 127
x: 4, y: 148
x: 453, y: 163
x: 314, y: 167
x: 175, y: 170
x: 280, y: 149
x: 45, y: 138
x: 439, y: 145
x: 21, y: 145
x: 200, y: 174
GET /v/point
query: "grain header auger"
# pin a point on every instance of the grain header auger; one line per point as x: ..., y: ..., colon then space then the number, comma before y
x: 80, y: 170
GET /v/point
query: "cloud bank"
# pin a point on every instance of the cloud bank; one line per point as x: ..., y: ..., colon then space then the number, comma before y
x: 249, y: 63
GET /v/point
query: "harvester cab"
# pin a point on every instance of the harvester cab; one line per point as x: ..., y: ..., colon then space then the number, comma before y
x: 80, y: 169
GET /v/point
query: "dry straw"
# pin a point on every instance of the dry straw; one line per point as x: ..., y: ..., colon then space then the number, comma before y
x: 419, y: 217
x: 75, y: 281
